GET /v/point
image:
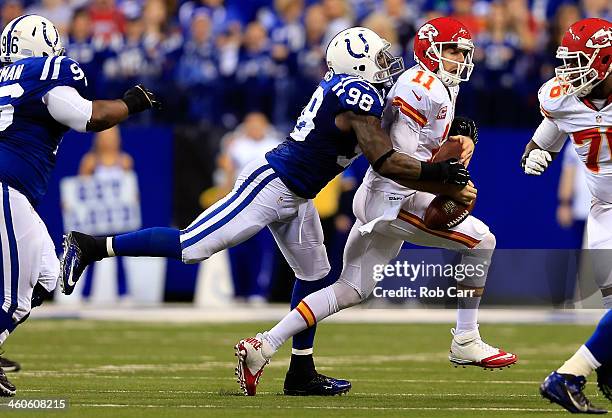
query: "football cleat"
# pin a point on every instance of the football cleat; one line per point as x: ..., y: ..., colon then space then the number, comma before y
x: 78, y: 248
x: 566, y: 390
x: 319, y: 385
x: 251, y: 362
x: 468, y: 349
x: 6, y: 387
x: 604, y: 381
x: 9, y: 365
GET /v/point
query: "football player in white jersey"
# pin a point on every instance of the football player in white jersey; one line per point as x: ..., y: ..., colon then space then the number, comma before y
x: 418, y: 116
x: 40, y: 100
x: 578, y: 103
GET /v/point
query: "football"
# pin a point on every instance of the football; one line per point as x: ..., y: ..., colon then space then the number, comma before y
x: 449, y: 149
x: 444, y: 213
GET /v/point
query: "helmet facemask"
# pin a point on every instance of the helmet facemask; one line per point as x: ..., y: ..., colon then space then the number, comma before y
x: 576, y: 73
x: 389, y: 65
x: 451, y: 79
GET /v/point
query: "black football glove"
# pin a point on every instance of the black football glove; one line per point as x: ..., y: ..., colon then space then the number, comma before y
x: 139, y: 98
x: 453, y: 172
x: 464, y: 126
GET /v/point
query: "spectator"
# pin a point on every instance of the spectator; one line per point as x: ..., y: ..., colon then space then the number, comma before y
x: 402, y: 16
x: 495, y: 59
x: 339, y: 17
x: 88, y: 51
x: 311, y: 59
x: 197, y: 72
x: 379, y: 24
x: 288, y: 38
x: 107, y: 19
x: 106, y: 161
x: 255, y: 73
x: 57, y: 11
x: 224, y: 21
x: 134, y: 58
x: 252, y: 261
x: 597, y: 8
x: 463, y: 11
x: 10, y: 10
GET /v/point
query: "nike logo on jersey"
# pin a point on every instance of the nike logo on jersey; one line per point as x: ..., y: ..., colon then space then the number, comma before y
x: 417, y: 96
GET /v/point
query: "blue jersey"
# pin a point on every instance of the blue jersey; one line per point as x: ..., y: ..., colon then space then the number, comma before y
x: 317, y: 151
x: 29, y: 136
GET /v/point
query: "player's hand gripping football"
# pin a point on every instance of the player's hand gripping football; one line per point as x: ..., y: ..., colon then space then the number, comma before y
x: 139, y: 98
x: 465, y: 195
x: 453, y: 172
x: 467, y: 148
x: 536, y: 162
x: 465, y: 132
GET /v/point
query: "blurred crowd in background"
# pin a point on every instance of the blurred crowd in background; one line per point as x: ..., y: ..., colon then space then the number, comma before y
x: 233, y: 76
x: 214, y: 61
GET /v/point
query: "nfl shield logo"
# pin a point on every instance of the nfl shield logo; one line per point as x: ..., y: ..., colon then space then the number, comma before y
x: 598, y: 118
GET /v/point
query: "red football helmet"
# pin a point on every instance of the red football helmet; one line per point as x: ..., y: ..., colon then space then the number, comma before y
x: 431, y: 39
x: 586, y: 51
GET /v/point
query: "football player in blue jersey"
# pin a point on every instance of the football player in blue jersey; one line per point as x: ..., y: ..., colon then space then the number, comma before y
x: 40, y: 100
x: 341, y: 121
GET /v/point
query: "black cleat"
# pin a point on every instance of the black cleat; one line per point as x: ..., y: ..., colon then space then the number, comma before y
x: 9, y: 365
x: 319, y: 385
x: 79, y: 252
x: 604, y: 381
x: 567, y: 390
x: 6, y: 387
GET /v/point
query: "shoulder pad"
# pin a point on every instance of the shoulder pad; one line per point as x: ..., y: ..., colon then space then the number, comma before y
x: 552, y: 98
x: 357, y: 95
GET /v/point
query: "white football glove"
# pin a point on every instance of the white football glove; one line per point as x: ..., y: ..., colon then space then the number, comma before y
x: 536, y: 162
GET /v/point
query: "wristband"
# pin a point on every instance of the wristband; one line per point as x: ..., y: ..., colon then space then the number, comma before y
x: 431, y: 171
x: 380, y: 161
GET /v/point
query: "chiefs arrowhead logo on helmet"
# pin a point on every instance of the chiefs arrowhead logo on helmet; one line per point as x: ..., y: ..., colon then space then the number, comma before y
x: 428, y: 31
x: 601, y: 39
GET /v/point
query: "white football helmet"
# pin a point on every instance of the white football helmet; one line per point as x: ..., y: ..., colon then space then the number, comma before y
x: 29, y: 36
x: 360, y: 51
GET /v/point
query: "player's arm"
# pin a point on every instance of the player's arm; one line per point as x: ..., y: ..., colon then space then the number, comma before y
x: 69, y: 108
x: 544, y: 146
x: 446, y: 177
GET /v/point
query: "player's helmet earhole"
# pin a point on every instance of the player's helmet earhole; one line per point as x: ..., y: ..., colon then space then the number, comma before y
x: 362, y: 67
x: 34, y: 31
x: 45, y: 54
x: 605, y: 59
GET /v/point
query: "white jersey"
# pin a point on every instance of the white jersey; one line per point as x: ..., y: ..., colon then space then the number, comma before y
x: 417, y: 116
x: 589, y: 129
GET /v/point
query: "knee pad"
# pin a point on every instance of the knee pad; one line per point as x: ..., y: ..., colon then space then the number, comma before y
x: 480, y: 258
x: 311, y: 264
x: 346, y: 294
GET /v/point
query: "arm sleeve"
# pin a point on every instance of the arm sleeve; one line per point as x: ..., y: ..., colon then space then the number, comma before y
x: 67, y: 107
x: 549, y: 137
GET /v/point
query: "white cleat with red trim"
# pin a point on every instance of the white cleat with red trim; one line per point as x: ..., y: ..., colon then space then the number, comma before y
x: 468, y: 349
x: 251, y: 362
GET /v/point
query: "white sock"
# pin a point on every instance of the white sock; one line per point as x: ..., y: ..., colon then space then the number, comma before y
x: 467, y: 314
x: 582, y: 363
x: 312, y: 309
x: 109, y: 247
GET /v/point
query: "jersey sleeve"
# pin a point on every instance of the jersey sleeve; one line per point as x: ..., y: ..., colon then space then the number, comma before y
x: 64, y: 71
x: 551, y: 97
x: 360, y: 97
x: 548, y: 136
x: 414, y: 105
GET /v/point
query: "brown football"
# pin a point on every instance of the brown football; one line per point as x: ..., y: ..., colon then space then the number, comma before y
x: 444, y: 213
x: 449, y: 149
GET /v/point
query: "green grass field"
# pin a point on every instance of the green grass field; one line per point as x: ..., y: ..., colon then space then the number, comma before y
x: 110, y: 369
